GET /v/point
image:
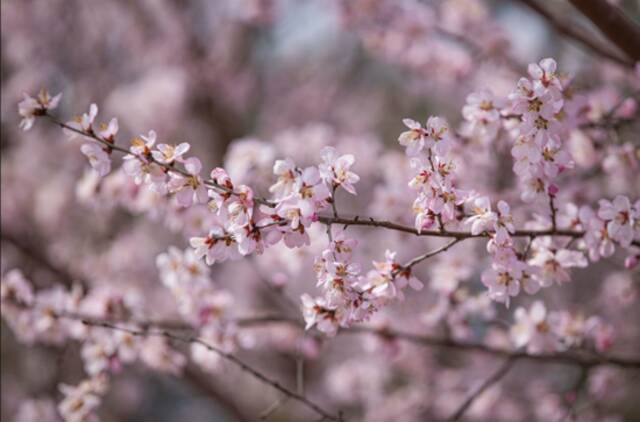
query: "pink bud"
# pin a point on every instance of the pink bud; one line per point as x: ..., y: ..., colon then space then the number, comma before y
x: 631, y: 261
x: 553, y: 189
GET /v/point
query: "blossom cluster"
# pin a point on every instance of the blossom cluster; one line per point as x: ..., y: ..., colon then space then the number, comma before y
x: 349, y: 296
x: 542, y: 113
x: 55, y: 315
x: 540, y: 331
x: 438, y: 196
x: 200, y: 304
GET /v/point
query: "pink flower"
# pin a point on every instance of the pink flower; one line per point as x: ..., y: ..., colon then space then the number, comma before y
x: 188, y: 189
x: 99, y: 159
x: 83, y: 123
x: 505, y: 220
x: 503, y: 282
x: 16, y: 289
x: 532, y: 330
x: 319, y: 313
x: 482, y: 111
x: 335, y: 170
x: 287, y: 173
x: 620, y: 217
x: 241, y: 206
x: 438, y: 135
x: 554, y: 264
x: 413, y: 139
x: 142, y: 145
x: 545, y: 73
x: 482, y: 218
x: 31, y: 107
x: 167, y: 154
x: 108, y: 132
x: 79, y: 401
x: 217, y: 246
x: 342, y: 246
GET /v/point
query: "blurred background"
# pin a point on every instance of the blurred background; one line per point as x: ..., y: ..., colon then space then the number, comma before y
x: 247, y: 82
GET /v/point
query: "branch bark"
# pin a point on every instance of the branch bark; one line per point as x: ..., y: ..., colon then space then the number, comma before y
x: 613, y: 23
x: 577, y: 34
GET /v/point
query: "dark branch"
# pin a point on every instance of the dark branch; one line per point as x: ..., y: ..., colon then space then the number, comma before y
x: 614, y: 24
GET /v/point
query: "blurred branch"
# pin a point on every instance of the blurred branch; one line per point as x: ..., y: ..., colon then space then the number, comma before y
x: 582, y: 358
x: 190, y: 339
x: 197, y: 379
x: 494, y: 378
x: 613, y: 23
x: 571, y: 358
x: 38, y: 256
x: 576, y: 33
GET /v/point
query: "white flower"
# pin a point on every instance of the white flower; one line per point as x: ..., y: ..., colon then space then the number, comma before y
x: 98, y: 158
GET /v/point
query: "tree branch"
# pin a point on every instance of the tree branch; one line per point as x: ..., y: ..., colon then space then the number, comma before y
x: 578, y: 35
x: 92, y: 322
x: 613, y: 23
x: 494, y: 378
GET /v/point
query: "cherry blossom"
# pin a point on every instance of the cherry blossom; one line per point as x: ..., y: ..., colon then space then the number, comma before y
x: 188, y: 189
x: 335, y: 170
x: 620, y: 217
x: 554, y: 264
x: 99, y: 159
x: 82, y: 399
x: 31, y: 107
x: 168, y: 153
x: 531, y: 329
x: 84, y: 122
x: 514, y: 177
x: 414, y: 138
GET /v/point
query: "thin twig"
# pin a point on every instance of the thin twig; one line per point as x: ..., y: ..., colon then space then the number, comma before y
x: 553, y: 210
x: 429, y: 254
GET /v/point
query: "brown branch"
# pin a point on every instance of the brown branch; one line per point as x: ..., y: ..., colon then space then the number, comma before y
x: 614, y: 24
x: 572, y: 32
x: 580, y: 358
x: 92, y: 322
x: 429, y: 254
x: 38, y: 256
x: 371, y: 222
x: 191, y: 376
x: 356, y: 221
x: 494, y: 378
x: 570, y: 358
x: 201, y: 382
